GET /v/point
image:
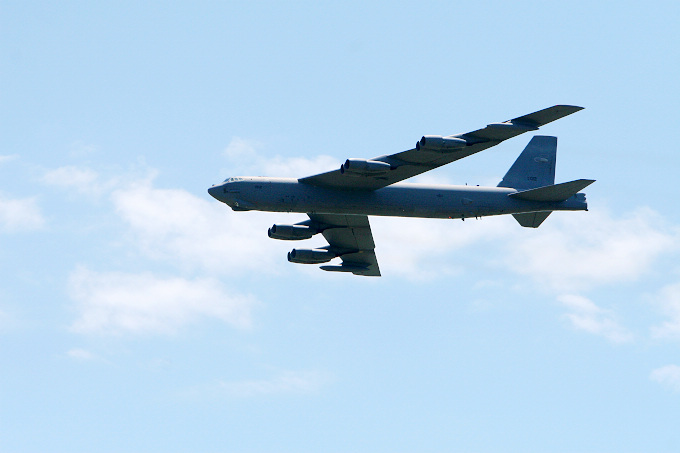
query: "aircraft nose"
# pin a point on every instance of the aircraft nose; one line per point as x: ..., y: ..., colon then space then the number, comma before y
x: 214, y: 191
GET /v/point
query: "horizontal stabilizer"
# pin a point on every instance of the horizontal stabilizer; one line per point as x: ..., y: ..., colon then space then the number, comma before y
x: 555, y: 193
x: 531, y: 219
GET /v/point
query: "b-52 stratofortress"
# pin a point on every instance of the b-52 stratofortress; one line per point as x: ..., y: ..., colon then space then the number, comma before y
x: 339, y: 202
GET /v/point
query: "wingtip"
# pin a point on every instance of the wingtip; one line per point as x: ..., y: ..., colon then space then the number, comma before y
x: 574, y: 108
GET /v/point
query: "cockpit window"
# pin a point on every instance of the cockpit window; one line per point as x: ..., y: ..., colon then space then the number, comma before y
x: 233, y: 179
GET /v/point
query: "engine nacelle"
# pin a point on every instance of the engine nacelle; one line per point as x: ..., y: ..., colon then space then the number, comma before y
x: 440, y: 144
x: 310, y: 256
x: 364, y: 167
x: 291, y: 232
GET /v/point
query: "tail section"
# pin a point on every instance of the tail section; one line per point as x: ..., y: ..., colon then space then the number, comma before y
x: 533, y: 176
x: 535, y: 167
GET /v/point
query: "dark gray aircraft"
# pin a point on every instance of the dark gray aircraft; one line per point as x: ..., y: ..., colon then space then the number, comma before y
x: 339, y: 202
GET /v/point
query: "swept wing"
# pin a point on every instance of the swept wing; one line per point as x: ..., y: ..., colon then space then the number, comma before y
x: 432, y: 152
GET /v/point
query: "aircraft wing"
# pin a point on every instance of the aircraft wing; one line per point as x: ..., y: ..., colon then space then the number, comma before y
x: 350, y: 237
x: 432, y: 152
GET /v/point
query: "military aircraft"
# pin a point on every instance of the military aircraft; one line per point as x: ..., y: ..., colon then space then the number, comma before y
x: 339, y: 202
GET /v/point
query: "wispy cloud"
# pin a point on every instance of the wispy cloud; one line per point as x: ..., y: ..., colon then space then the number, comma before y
x: 7, y: 157
x: 180, y: 229
x: 81, y: 355
x: 298, y: 382
x: 83, y: 179
x: 576, y: 251
x: 668, y: 376
x: 587, y: 316
x: 172, y: 224
x: 80, y: 148
x: 423, y: 249
x: 91, y: 183
x: 668, y: 302
x: 115, y: 302
x: 244, y: 156
x: 284, y: 382
x: 19, y: 214
x: 570, y: 252
x: 242, y: 150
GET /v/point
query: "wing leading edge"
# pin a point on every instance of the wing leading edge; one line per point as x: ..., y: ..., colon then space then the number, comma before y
x: 407, y: 164
x: 350, y: 237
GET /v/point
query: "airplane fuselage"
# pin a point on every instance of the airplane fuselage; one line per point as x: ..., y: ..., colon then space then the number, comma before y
x: 398, y: 200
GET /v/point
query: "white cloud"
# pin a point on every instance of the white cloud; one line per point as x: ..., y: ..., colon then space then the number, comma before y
x: 172, y: 224
x: 83, y: 179
x: 243, y: 150
x: 298, y: 167
x: 669, y: 303
x: 115, y: 302
x: 81, y: 354
x: 19, y: 214
x: 574, y: 251
x: 668, y: 376
x: 570, y: 251
x: 283, y: 383
x: 7, y: 158
x: 244, y: 157
x: 587, y: 316
x: 421, y: 249
x: 89, y: 182
x: 80, y: 148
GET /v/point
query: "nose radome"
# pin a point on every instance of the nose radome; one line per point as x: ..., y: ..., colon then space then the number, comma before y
x: 213, y: 191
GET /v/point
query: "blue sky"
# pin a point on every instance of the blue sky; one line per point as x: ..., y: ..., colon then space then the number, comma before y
x: 137, y: 314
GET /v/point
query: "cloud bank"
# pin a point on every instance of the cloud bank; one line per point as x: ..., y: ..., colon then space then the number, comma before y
x: 191, y: 235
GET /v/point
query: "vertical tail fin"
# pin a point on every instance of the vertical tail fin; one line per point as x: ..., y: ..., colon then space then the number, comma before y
x: 535, y: 167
